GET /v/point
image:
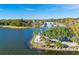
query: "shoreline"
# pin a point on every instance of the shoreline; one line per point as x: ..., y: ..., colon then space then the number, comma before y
x: 53, y: 49
x: 14, y: 27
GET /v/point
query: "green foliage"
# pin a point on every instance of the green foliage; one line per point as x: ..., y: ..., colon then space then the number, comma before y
x: 33, y: 41
x: 48, y: 43
x: 58, y: 32
x: 74, y: 39
x: 58, y: 45
x: 77, y: 42
x: 43, y: 38
x: 16, y: 22
x: 35, y: 33
x: 21, y: 22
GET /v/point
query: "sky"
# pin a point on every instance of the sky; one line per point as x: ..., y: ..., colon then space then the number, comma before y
x: 38, y: 11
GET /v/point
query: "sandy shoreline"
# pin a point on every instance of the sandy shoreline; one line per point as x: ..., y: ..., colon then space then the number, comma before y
x: 14, y: 27
x: 53, y: 49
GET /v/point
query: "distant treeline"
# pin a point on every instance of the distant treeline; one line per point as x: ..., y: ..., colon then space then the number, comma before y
x: 16, y: 22
x: 38, y: 22
x: 20, y: 22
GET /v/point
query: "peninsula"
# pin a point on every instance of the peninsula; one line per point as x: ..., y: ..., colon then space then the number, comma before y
x: 60, y: 35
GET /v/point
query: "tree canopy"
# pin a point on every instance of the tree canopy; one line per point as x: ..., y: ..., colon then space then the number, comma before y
x: 58, y: 32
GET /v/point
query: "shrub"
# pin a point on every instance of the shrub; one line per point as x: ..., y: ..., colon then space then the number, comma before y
x: 43, y: 38
x: 58, y: 45
x: 35, y: 33
x: 77, y: 42
x: 74, y: 39
x: 48, y: 43
x: 33, y: 41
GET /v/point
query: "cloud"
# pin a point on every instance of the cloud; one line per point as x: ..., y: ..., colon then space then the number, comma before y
x: 68, y: 7
x: 71, y: 6
x: 28, y: 9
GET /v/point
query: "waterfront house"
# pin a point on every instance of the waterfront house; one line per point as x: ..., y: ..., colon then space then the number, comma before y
x: 52, y: 24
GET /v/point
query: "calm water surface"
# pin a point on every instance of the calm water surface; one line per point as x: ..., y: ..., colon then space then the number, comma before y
x: 15, y: 41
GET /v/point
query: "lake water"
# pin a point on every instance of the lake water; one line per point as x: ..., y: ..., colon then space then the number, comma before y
x: 15, y: 41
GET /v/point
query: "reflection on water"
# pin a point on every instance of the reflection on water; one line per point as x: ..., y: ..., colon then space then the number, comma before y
x: 15, y: 41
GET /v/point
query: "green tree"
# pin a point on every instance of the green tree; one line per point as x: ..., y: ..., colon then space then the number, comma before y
x: 58, y: 32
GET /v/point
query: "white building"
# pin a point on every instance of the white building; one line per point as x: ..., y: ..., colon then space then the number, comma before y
x: 52, y: 24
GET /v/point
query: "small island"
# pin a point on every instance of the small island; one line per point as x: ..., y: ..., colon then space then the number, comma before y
x: 61, y: 35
